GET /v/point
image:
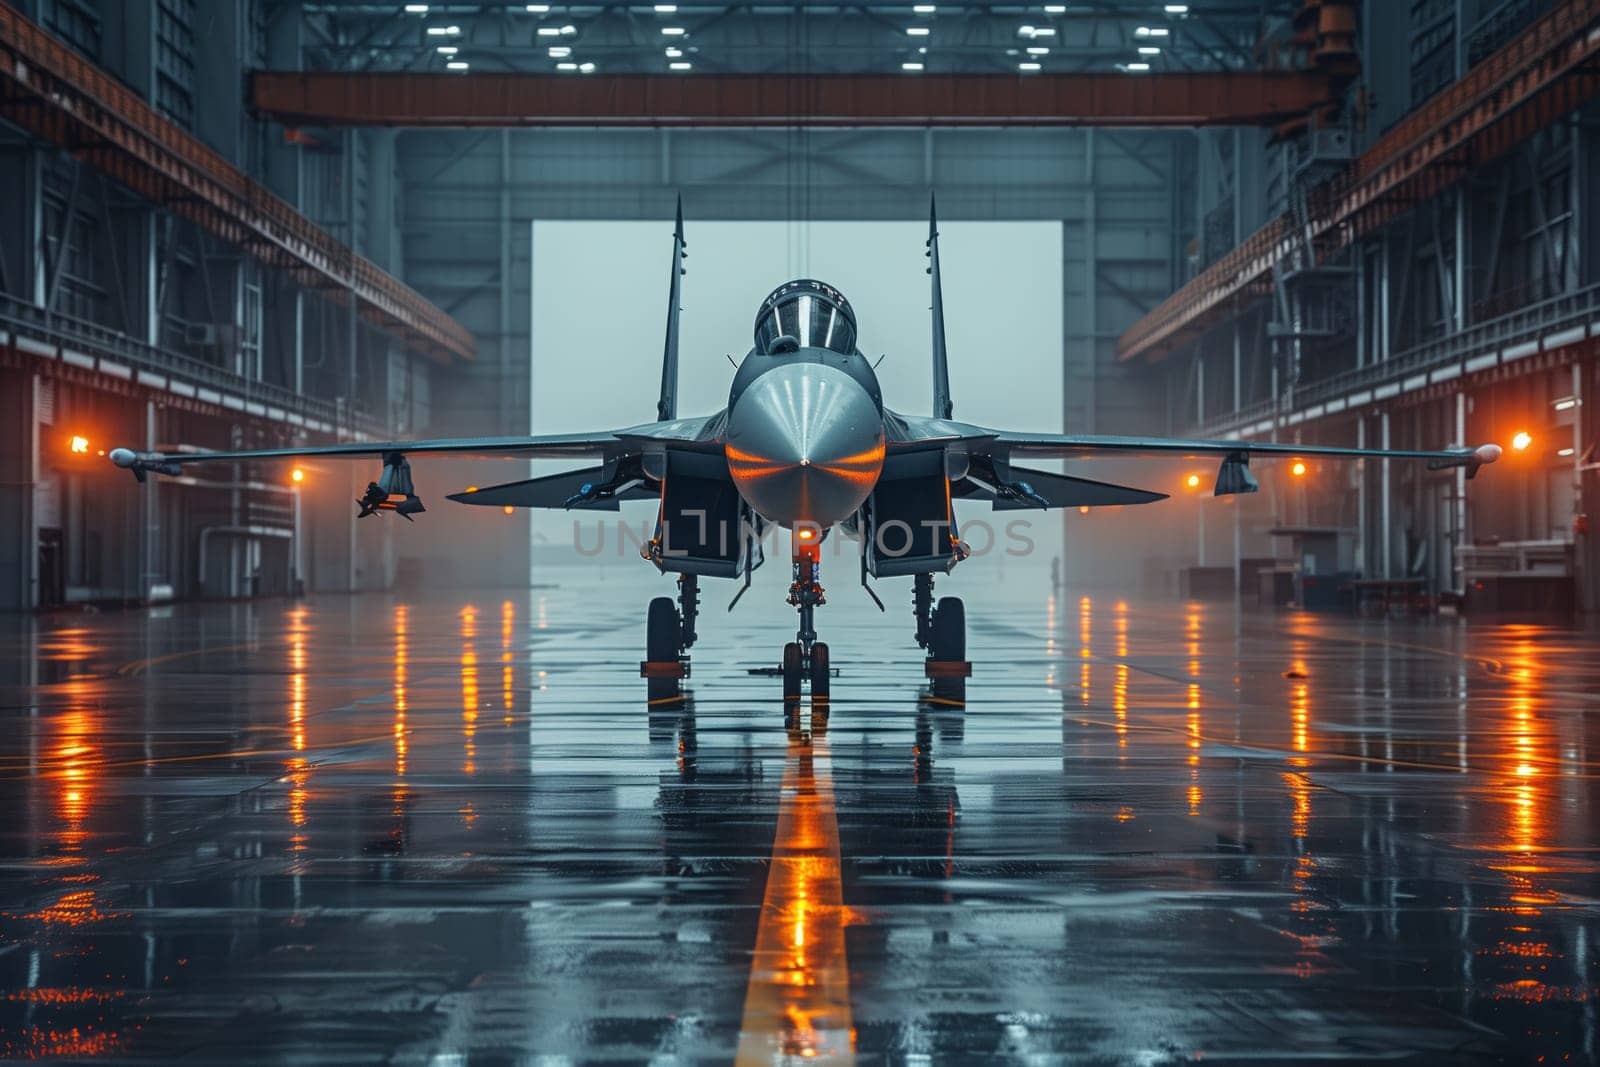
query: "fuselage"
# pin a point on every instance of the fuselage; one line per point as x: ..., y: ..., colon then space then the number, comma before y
x: 805, y: 434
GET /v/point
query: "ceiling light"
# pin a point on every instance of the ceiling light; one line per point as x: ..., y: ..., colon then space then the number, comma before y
x: 1044, y: 31
x: 1149, y: 50
x: 917, y: 31
x: 666, y: 9
x: 566, y: 66
x: 549, y: 31
x: 447, y: 50
x: 1176, y: 9
x: 444, y: 31
x: 1137, y: 67
x: 457, y: 64
x: 911, y: 66
x: 922, y: 51
x: 1151, y: 31
x: 682, y: 64
x: 1564, y: 451
x: 1028, y: 66
x: 1566, y: 403
x: 538, y: 9
x: 1024, y: 31
x: 924, y: 9
x: 1038, y: 50
x: 560, y: 51
x: 1521, y: 440
x: 568, y: 30
x: 674, y: 53
x: 585, y: 68
x: 1298, y: 469
x: 673, y: 31
x: 416, y: 9
x: 1055, y: 9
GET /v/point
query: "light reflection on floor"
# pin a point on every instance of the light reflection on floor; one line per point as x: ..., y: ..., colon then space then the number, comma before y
x: 413, y: 830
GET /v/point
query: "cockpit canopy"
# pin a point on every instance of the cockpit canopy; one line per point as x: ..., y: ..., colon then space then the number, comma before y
x: 814, y: 314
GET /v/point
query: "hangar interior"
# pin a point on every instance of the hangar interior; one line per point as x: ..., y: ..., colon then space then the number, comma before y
x: 1303, y: 773
x: 208, y: 249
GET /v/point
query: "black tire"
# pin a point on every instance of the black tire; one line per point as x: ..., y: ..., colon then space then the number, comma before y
x: 791, y: 671
x: 949, y: 644
x: 820, y: 675
x: 950, y: 629
x: 663, y: 631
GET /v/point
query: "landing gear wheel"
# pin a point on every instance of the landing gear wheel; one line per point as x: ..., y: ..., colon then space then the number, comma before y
x: 820, y: 675
x: 950, y: 629
x: 663, y: 631
x: 791, y: 672
x: 948, y: 643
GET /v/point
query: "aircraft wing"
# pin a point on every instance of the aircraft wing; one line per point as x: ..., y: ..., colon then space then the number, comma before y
x: 603, y: 444
x: 550, y: 446
x: 1083, y: 446
x: 977, y: 461
x: 394, y: 490
x: 984, y: 458
x: 911, y: 432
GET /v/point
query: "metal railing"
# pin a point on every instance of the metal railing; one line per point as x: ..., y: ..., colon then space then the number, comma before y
x: 1526, y: 324
x: 58, y: 331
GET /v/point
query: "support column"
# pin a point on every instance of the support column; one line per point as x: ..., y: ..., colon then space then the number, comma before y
x: 504, y: 424
x: 1386, y: 531
x: 1362, y: 491
x: 19, y: 474
x: 352, y: 343
x: 1459, y: 288
x: 1582, y: 578
x: 149, y: 504
x: 1238, y: 358
x: 1459, y: 508
x: 1090, y: 284
x: 1200, y: 420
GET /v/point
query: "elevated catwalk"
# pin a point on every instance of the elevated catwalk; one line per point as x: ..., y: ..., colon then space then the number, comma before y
x: 450, y: 831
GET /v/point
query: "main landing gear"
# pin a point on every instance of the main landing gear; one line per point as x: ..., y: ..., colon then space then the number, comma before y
x: 669, y: 633
x: 942, y: 630
x: 806, y: 658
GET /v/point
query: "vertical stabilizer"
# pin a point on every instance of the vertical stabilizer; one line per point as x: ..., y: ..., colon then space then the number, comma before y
x: 941, y: 366
x: 667, y: 406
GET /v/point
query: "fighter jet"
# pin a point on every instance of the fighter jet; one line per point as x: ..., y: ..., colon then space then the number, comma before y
x: 805, y: 443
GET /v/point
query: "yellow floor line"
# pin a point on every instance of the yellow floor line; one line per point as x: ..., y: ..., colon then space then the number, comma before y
x: 797, y: 1003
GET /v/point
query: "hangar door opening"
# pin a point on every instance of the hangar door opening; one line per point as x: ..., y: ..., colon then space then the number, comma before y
x: 600, y: 297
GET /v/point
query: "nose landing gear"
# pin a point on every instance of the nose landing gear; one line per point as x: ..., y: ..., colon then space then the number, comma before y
x: 806, y: 658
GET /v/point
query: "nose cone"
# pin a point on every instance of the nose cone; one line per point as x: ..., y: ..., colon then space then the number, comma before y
x: 805, y: 444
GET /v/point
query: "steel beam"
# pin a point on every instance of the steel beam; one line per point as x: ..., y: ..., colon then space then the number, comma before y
x: 1544, y: 72
x: 395, y: 99
x: 58, y: 95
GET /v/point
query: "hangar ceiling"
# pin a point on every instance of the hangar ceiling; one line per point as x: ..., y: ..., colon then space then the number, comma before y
x: 1103, y: 36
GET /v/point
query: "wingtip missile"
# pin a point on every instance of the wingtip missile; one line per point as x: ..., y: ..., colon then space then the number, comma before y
x: 141, y: 463
x: 1472, y: 461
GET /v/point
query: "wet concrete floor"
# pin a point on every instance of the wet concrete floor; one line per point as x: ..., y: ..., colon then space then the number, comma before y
x: 448, y: 830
